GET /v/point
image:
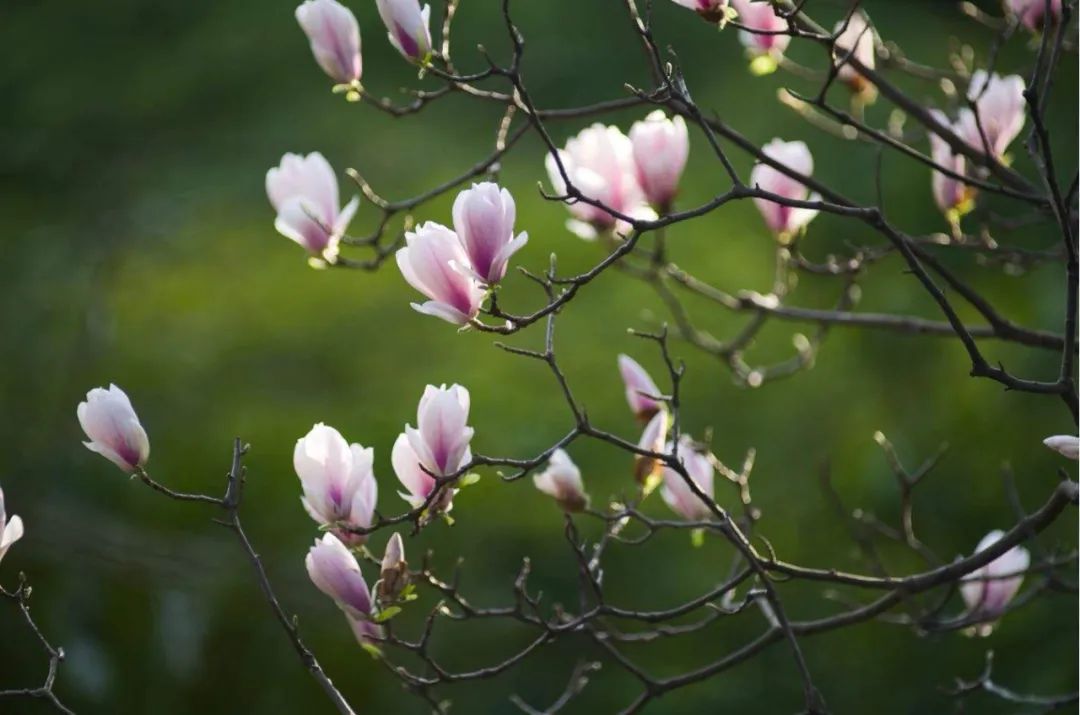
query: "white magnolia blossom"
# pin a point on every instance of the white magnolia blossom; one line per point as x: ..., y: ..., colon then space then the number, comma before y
x: 113, y: 428
x: 562, y: 480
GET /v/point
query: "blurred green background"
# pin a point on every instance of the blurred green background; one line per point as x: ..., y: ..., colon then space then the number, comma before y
x: 139, y: 248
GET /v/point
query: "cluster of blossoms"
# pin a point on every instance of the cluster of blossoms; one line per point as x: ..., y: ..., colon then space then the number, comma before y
x: 646, y: 402
x: 988, y: 126
x: 303, y: 189
x: 338, y: 483
x: 634, y: 176
x: 456, y: 267
x: 606, y: 177
x: 340, y: 493
x: 340, y: 490
x: 767, y: 28
x: 334, y: 35
x: 991, y: 122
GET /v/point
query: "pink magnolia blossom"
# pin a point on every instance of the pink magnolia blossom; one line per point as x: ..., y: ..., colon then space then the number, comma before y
x: 304, y: 192
x: 434, y: 263
x: 1065, y: 444
x: 1032, y: 13
x: 640, y: 389
x: 988, y: 590
x: 113, y: 428
x: 407, y: 26
x: 562, y: 480
x: 11, y: 530
x: 439, y: 445
x: 599, y: 162
x: 950, y: 194
x: 677, y: 493
x: 999, y: 104
x: 484, y: 222
x: 334, y: 35
x: 856, y: 32
x: 784, y: 221
x: 760, y: 15
x: 660, y: 148
x: 711, y: 10
x: 334, y: 571
x: 339, y: 486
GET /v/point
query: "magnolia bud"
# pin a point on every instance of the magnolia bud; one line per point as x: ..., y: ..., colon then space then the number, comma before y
x: 784, y: 221
x: 988, y: 590
x: 335, y: 572
x: 484, y: 221
x: 951, y: 195
x: 394, y: 576
x: 1065, y: 444
x: 113, y: 428
x: 335, y: 38
x: 641, y: 391
x: 407, y: 27
x: 660, y: 147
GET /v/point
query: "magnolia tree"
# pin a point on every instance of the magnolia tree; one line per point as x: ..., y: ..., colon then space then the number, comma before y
x: 620, y: 191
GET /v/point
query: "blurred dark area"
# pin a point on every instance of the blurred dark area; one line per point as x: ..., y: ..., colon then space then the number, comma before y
x: 139, y: 249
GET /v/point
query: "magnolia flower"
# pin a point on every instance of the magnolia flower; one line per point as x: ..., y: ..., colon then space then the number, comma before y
x: 951, y: 195
x: 394, y: 571
x: 334, y: 571
x: 110, y: 422
x: 677, y: 493
x: 999, y: 102
x: 641, y: 391
x: 653, y: 438
x: 335, y: 38
x: 855, y: 32
x: 304, y: 192
x: 760, y: 15
x: 562, y: 480
x: 439, y: 445
x: 1032, y: 13
x: 660, y: 147
x: 1067, y: 445
x: 988, y: 590
x: 484, y: 221
x: 711, y: 10
x: 407, y: 27
x: 599, y: 162
x: 434, y: 263
x: 784, y: 221
x: 11, y: 530
x: 339, y: 486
